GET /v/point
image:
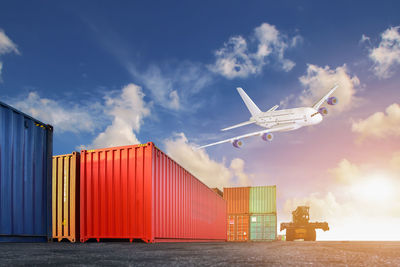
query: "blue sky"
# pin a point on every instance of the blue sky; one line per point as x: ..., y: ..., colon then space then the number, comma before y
x: 113, y: 73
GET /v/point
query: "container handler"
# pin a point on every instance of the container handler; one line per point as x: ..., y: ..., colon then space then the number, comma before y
x: 301, y: 228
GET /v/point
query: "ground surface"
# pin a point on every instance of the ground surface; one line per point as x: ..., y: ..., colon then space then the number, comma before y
x: 214, y: 254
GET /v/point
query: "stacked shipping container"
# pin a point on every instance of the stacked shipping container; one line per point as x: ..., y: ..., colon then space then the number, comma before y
x: 237, y: 199
x: 25, y: 177
x: 251, y: 213
x: 262, y: 213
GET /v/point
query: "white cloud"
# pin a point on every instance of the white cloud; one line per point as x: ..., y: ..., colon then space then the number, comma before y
x: 127, y: 108
x: 365, y: 38
x: 237, y: 166
x: 346, y: 172
x: 379, y: 124
x: 198, y: 162
x: 65, y: 117
x: 319, y: 80
x: 238, y: 59
x: 387, y: 55
x: 6, y: 45
x: 172, y: 87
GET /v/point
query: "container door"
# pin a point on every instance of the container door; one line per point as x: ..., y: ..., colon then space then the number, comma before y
x: 263, y: 227
x: 65, y: 174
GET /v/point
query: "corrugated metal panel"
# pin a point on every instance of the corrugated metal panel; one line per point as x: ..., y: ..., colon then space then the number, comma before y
x: 115, y: 191
x: 238, y: 228
x: 25, y: 177
x: 263, y: 199
x: 263, y: 227
x: 185, y: 208
x: 66, y: 196
x: 237, y: 199
x: 137, y: 192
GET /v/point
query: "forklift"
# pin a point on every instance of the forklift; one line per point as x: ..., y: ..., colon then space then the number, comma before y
x: 301, y: 228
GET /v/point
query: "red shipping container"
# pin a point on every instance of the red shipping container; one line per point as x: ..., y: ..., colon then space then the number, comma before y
x: 138, y: 192
x: 238, y: 228
x: 237, y: 199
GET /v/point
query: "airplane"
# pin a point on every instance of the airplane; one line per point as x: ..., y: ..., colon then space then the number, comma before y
x: 278, y: 120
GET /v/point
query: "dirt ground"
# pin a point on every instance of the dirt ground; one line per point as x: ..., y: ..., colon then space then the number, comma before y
x: 203, y: 254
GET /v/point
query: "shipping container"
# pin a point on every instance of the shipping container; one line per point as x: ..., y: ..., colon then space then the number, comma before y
x: 138, y: 192
x: 219, y: 192
x: 263, y: 227
x: 238, y: 227
x: 262, y: 199
x: 25, y: 177
x: 237, y: 199
x: 66, y: 197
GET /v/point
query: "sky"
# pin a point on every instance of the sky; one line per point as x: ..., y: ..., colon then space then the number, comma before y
x: 108, y: 73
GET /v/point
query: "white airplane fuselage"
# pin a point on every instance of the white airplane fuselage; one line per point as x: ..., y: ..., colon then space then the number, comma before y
x: 299, y: 117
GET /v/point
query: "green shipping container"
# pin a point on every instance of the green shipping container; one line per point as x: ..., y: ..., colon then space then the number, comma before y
x: 262, y: 199
x: 262, y: 227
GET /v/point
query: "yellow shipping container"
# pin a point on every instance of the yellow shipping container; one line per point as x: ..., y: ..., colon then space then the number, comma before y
x: 65, y: 193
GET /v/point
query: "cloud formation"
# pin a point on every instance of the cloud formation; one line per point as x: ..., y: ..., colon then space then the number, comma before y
x: 64, y: 117
x: 122, y: 111
x: 386, y: 56
x: 127, y: 109
x: 172, y: 87
x: 379, y: 125
x: 199, y: 163
x: 240, y: 57
x: 346, y: 172
x: 318, y: 80
x: 6, y: 46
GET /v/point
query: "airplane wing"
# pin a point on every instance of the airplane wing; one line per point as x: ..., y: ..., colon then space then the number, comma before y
x: 285, y: 127
x: 322, y: 100
x: 238, y: 125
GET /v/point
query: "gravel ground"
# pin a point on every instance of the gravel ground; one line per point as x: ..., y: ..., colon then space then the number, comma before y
x: 203, y: 254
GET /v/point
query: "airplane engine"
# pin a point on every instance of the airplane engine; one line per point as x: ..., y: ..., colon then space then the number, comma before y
x: 323, y: 111
x: 332, y: 100
x: 237, y: 143
x: 267, y: 137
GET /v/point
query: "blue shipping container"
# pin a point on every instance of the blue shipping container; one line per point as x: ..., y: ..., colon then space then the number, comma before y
x: 25, y: 177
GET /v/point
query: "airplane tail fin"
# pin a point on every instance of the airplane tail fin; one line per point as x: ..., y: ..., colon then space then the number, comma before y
x: 254, y: 110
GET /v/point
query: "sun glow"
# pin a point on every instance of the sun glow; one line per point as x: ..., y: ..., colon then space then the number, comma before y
x: 378, y: 187
x: 371, y: 210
